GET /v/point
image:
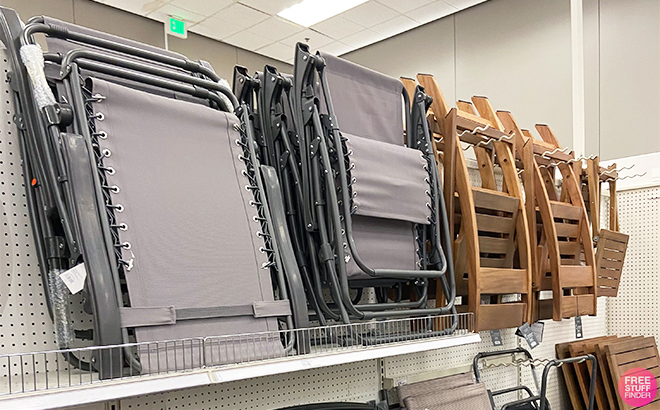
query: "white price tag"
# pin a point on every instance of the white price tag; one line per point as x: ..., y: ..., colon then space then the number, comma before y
x: 74, y: 278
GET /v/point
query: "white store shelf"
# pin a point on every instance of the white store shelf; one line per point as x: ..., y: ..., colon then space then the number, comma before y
x: 117, y: 389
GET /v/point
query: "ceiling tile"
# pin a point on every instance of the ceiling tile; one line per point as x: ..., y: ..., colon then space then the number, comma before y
x: 218, y: 29
x: 313, y: 39
x: 203, y: 7
x: 240, y: 14
x: 336, y: 48
x: 430, y: 12
x: 369, y: 14
x: 247, y: 40
x: 163, y: 14
x: 463, y: 4
x: 141, y: 7
x: 337, y: 27
x: 405, y: 6
x: 270, y: 6
x: 275, y: 29
x: 277, y: 51
x: 363, y: 38
x: 395, y: 26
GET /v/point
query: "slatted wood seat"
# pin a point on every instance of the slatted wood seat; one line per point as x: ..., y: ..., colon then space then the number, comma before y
x: 489, y: 226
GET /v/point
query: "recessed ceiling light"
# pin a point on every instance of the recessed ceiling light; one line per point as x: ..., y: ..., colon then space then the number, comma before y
x: 309, y: 12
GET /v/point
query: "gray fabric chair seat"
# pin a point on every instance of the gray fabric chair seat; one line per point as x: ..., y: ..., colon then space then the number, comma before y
x: 439, y: 384
x: 469, y: 397
x: 382, y: 243
x: 389, y: 180
x: 193, y: 240
x: 366, y: 102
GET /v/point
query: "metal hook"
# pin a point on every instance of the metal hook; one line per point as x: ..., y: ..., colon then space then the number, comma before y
x: 474, y: 131
x: 630, y: 176
x: 553, y: 151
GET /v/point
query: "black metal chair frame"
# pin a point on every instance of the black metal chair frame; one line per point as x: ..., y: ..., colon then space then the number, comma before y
x: 267, y: 95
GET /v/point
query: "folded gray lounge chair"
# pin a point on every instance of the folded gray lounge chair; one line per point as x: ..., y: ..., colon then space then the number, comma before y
x: 372, y: 202
x: 181, y: 231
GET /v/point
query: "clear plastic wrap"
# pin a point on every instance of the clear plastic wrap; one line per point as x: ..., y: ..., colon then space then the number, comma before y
x: 33, y: 59
x: 59, y: 300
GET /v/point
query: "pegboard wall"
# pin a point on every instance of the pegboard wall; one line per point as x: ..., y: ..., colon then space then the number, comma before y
x: 636, y: 309
x: 25, y: 324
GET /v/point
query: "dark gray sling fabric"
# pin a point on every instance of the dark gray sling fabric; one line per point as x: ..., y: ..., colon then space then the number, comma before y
x: 470, y: 397
x: 193, y: 239
x: 382, y: 243
x: 367, y: 103
x: 439, y: 384
x: 390, y: 180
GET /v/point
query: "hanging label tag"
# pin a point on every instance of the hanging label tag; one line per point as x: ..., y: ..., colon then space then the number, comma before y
x: 496, y: 337
x: 578, y: 327
x: 537, y: 329
x: 74, y: 278
x: 526, y: 332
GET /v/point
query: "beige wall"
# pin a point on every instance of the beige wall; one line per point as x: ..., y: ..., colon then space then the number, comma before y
x: 87, y: 13
x: 518, y: 53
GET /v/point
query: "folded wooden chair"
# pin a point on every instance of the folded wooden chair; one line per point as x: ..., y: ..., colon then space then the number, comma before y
x: 611, y: 244
x: 489, y: 225
x: 564, y: 260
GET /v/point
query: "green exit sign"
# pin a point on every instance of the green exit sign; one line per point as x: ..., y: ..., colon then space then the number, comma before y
x: 177, y: 28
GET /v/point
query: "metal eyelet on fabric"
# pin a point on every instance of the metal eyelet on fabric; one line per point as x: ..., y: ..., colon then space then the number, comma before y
x: 98, y: 116
x: 126, y: 245
x: 106, y: 153
x: 122, y: 226
x: 109, y: 170
x: 96, y: 97
x: 101, y: 134
x: 427, y: 192
x: 118, y: 207
x: 252, y: 203
x: 114, y: 188
x: 427, y: 180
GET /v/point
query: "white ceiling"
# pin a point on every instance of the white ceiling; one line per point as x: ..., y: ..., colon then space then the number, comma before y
x: 253, y: 24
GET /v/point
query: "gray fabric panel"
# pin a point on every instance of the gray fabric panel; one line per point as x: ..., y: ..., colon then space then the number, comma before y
x: 57, y: 45
x: 270, y: 309
x: 147, y: 316
x: 382, y: 243
x: 471, y: 397
x: 390, y: 181
x: 367, y: 103
x: 193, y: 238
x: 441, y: 383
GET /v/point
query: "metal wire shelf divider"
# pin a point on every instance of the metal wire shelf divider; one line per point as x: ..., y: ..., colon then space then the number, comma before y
x: 49, y: 370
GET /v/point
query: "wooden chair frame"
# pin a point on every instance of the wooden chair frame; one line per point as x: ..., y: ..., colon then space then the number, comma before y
x: 492, y: 222
x: 565, y: 236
